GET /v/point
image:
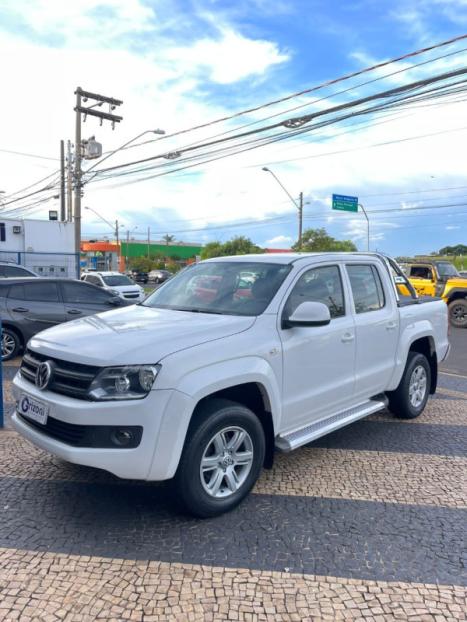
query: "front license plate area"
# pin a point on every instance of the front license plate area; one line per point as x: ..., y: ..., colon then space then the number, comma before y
x: 33, y: 409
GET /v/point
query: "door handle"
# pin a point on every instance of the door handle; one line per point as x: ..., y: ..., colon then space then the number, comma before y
x: 20, y: 310
x: 346, y: 337
x: 391, y: 325
x: 74, y: 312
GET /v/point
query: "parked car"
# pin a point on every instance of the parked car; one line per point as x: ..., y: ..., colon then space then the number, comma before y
x: 29, y: 305
x: 138, y: 276
x: 12, y: 270
x: 159, y: 276
x: 117, y: 283
x: 441, y: 278
x: 202, y: 390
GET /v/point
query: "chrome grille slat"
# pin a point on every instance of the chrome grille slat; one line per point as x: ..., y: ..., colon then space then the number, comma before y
x: 71, y: 379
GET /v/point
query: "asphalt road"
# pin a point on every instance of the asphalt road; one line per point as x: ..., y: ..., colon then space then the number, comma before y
x: 456, y: 362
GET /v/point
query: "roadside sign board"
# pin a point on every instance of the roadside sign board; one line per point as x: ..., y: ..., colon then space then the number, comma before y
x: 344, y: 203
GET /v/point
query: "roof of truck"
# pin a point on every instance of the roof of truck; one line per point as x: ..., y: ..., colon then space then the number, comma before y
x: 288, y: 258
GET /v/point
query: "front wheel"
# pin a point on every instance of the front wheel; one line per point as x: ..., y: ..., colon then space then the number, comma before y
x: 458, y: 313
x: 222, y: 459
x: 409, y: 399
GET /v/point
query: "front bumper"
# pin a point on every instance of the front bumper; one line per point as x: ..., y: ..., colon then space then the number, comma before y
x: 161, y: 415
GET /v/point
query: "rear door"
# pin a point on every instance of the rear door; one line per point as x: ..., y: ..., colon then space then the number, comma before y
x: 377, y: 327
x: 35, y: 305
x: 83, y: 299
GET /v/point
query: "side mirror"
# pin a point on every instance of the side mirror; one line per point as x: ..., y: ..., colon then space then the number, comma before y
x: 115, y: 301
x: 308, y: 314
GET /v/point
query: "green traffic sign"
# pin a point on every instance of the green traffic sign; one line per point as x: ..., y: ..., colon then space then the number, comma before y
x: 344, y: 203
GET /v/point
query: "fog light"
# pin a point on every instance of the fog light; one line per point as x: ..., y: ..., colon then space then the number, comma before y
x: 122, y: 437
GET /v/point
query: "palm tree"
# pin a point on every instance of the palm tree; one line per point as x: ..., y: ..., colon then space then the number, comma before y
x: 168, y: 238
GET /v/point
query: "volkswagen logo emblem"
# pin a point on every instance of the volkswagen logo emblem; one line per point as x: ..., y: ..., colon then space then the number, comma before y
x: 44, y: 375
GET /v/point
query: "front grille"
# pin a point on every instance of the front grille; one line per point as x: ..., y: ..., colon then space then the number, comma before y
x: 131, y: 295
x: 72, y: 379
x: 95, y: 436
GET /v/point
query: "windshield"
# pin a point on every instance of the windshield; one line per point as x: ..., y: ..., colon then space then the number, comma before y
x: 446, y: 269
x: 227, y: 288
x: 117, y: 279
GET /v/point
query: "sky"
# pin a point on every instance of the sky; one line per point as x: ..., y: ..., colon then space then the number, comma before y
x: 181, y: 63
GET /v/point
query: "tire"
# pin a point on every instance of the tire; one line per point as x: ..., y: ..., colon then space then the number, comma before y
x: 221, y: 484
x: 11, y: 344
x: 458, y: 313
x: 408, y: 401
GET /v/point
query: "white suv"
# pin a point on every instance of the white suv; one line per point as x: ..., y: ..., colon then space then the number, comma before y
x: 120, y: 284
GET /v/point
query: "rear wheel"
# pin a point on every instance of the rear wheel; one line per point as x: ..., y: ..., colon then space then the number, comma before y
x: 11, y: 344
x: 458, y: 313
x: 222, y: 459
x: 409, y: 399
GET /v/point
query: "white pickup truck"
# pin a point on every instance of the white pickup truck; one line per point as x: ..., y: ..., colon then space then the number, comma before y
x: 225, y: 363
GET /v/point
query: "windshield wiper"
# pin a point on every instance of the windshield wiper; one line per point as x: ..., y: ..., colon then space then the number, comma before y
x: 194, y: 310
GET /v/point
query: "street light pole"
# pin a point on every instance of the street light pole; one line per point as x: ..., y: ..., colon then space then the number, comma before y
x: 367, y: 227
x: 111, y: 153
x: 298, y: 205
x: 115, y: 227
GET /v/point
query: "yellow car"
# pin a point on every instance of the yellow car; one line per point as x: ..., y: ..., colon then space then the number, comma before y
x: 441, y: 278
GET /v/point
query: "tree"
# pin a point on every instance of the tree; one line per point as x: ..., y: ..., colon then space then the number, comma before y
x: 318, y: 240
x: 459, y: 249
x: 239, y: 245
x: 168, y: 238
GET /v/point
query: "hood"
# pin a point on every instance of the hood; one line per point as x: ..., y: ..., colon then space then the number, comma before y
x: 457, y: 281
x: 135, y: 335
x: 126, y: 288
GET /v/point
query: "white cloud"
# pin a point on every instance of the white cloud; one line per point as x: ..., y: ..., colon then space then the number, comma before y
x: 279, y: 241
x: 451, y: 227
x: 228, y: 58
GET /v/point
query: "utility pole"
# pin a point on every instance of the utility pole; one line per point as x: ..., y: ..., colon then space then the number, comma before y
x: 116, y: 232
x: 127, y: 244
x: 69, y: 184
x: 83, y: 96
x: 149, y: 241
x: 62, y: 181
x: 300, y: 220
x: 367, y: 227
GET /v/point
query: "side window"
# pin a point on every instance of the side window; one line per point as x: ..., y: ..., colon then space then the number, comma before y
x: 94, y: 280
x: 39, y: 291
x: 319, y: 285
x: 81, y: 293
x: 17, y: 292
x: 12, y: 271
x: 421, y: 272
x: 367, y: 290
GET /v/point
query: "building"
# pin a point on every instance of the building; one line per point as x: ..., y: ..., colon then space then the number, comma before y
x: 45, y: 246
x: 100, y: 256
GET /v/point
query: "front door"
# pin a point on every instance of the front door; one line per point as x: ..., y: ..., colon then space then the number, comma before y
x: 318, y: 362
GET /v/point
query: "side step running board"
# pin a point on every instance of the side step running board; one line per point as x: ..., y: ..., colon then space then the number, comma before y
x: 291, y: 441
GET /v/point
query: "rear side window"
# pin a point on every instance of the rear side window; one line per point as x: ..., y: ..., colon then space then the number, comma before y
x: 82, y: 293
x: 40, y: 291
x: 12, y: 271
x: 367, y: 289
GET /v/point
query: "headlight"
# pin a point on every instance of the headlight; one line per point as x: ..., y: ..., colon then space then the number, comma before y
x: 115, y: 292
x: 132, y: 382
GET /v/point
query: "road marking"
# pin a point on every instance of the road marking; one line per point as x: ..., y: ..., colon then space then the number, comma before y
x: 447, y: 373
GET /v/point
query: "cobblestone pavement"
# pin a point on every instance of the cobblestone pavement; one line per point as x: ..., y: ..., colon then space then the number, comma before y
x: 367, y: 524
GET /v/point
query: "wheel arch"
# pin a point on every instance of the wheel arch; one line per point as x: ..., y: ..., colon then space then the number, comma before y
x: 16, y: 330
x: 254, y: 396
x: 456, y: 294
x: 426, y: 346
